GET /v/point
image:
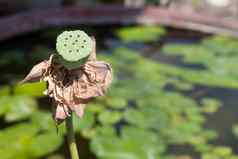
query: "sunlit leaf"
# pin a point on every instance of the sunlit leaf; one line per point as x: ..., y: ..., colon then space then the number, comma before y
x: 109, y: 117
x: 31, y: 89
x: 17, y: 107
x: 20, y: 107
x: 141, y: 34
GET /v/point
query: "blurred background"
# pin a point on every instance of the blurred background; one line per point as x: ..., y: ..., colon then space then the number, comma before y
x: 175, y: 88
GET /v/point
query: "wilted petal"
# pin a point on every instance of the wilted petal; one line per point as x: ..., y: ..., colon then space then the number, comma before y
x: 92, y: 56
x: 96, y: 79
x: 61, y: 113
x: 36, y: 72
x: 99, y: 71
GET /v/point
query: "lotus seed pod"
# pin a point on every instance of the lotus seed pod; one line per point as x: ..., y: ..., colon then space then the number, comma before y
x: 74, y: 45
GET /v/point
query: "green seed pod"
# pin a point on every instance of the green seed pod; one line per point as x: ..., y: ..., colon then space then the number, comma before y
x: 74, y: 45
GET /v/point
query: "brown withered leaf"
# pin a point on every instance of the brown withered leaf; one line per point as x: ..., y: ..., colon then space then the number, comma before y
x: 71, y: 90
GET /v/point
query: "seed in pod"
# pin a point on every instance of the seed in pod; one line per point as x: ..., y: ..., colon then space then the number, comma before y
x: 74, y: 45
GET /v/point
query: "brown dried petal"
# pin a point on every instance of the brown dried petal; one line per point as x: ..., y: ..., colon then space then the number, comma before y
x: 95, y: 80
x: 99, y: 72
x: 61, y: 113
x: 36, y: 72
x: 92, y: 56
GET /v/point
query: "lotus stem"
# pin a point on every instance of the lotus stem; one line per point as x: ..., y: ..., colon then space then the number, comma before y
x: 71, y: 138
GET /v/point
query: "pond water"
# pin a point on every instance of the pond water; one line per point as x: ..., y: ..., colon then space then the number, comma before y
x: 19, y: 54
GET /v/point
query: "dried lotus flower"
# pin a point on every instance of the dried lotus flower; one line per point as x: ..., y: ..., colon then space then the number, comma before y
x: 72, y: 89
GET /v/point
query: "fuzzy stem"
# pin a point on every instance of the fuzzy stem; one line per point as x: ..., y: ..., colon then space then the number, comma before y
x: 71, y: 138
